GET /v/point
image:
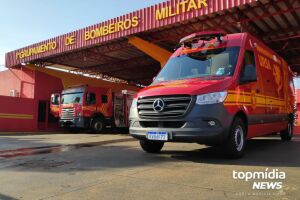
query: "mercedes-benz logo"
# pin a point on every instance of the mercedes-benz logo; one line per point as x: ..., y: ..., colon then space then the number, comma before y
x: 158, y: 105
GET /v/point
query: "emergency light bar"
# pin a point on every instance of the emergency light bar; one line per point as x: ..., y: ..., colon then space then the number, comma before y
x: 207, y: 35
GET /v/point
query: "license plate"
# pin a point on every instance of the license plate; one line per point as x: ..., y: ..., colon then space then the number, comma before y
x: 157, y: 135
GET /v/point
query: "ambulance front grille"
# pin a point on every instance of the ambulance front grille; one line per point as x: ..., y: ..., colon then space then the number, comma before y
x: 174, y: 106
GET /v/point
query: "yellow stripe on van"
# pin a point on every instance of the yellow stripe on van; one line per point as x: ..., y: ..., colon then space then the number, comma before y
x: 260, y: 100
x: 240, y: 98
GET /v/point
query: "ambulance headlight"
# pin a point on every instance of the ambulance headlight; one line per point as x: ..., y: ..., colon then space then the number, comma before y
x: 211, y: 98
x: 134, y: 103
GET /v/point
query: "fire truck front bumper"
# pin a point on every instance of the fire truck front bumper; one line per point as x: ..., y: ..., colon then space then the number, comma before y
x: 77, y: 122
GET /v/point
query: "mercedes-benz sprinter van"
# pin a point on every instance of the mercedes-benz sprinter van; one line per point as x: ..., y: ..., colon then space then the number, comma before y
x: 216, y: 89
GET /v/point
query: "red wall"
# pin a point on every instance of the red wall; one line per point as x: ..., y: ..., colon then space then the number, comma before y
x: 33, y: 87
x: 21, y: 80
x: 46, y: 85
x: 18, y: 107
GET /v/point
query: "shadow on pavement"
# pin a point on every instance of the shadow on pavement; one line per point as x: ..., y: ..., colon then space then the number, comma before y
x: 260, y: 152
x: 270, y: 151
x: 5, y: 197
x: 109, y: 131
x: 55, y: 148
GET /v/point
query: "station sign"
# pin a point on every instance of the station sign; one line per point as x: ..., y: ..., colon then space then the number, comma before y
x: 179, y: 8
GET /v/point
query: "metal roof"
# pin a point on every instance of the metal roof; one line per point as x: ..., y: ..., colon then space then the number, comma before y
x: 276, y: 22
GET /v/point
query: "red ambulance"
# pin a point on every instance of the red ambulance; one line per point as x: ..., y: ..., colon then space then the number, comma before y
x: 216, y: 89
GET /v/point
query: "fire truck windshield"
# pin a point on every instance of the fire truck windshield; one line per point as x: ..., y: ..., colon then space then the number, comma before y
x: 204, y: 63
x: 72, y: 98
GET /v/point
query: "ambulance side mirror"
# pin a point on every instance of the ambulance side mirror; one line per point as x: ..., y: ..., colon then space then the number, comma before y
x: 248, y: 74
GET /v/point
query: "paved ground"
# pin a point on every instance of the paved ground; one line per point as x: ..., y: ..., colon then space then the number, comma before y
x: 112, y: 166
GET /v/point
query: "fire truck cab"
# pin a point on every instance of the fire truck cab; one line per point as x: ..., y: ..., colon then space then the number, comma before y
x: 216, y: 89
x: 54, y: 104
x: 93, y: 107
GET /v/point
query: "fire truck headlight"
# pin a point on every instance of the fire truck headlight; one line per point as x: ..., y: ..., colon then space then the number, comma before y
x: 211, y: 98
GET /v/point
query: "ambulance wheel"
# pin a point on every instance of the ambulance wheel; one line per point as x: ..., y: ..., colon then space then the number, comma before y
x: 151, y: 146
x: 287, y: 134
x: 97, y: 125
x: 236, y: 143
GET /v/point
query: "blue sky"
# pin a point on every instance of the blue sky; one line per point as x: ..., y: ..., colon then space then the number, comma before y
x: 26, y: 22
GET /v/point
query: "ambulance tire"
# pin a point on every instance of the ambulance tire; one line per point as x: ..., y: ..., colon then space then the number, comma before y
x: 236, y: 143
x: 151, y: 146
x: 287, y: 134
x: 97, y: 125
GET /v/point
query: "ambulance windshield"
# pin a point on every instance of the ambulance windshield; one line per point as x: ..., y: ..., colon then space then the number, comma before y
x: 218, y: 62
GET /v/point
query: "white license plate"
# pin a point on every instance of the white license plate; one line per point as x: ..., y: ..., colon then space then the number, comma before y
x: 157, y: 135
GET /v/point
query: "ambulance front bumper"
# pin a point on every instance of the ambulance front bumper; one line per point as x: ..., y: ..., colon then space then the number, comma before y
x: 207, y: 124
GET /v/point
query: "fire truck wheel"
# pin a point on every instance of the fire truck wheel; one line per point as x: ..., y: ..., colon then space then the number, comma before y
x: 151, y: 146
x: 287, y: 134
x: 236, y: 143
x: 97, y: 125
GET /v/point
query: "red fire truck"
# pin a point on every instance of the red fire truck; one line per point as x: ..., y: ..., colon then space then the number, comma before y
x: 216, y: 89
x: 92, y: 107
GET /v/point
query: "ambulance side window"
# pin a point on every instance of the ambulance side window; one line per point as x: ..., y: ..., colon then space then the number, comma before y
x: 248, y: 73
